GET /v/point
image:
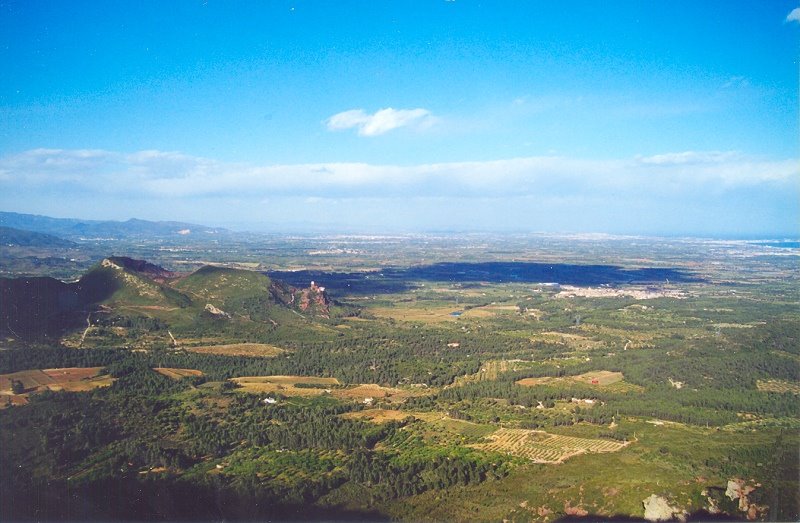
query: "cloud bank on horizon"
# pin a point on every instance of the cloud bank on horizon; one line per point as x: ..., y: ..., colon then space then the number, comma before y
x: 626, y: 117
x: 163, y: 174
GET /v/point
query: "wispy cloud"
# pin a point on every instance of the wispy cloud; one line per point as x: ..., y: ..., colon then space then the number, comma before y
x: 794, y: 15
x: 736, y: 81
x: 157, y: 174
x: 690, y: 158
x: 379, y: 122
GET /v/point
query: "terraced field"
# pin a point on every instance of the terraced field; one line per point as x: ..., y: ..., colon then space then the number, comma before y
x: 541, y: 447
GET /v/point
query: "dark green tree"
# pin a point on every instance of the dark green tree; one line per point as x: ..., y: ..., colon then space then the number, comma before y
x: 17, y: 387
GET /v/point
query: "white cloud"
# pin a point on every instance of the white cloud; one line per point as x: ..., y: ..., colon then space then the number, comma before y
x: 381, y: 121
x: 794, y: 16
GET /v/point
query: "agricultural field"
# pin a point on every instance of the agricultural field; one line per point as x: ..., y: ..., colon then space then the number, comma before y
x: 541, y: 447
x: 177, y: 374
x: 309, y: 386
x: 263, y: 350
x: 378, y: 415
x: 599, y: 378
x: 73, y: 379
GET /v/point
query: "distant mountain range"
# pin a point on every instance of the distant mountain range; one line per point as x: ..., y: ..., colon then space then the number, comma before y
x: 22, y: 238
x: 74, y: 229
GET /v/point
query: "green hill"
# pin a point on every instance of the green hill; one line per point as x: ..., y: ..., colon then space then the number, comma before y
x: 126, y: 302
x: 45, y: 309
x: 115, y: 281
x: 240, y: 293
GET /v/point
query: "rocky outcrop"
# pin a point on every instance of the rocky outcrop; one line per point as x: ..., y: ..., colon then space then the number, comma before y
x: 217, y: 313
x: 657, y: 508
x: 738, y: 498
x: 313, y: 300
x: 741, y: 490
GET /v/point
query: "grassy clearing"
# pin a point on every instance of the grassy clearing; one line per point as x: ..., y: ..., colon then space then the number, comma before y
x: 263, y: 350
x: 177, y: 374
x: 425, y: 314
x: 437, y: 312
x: 286, y: 385
x: 541, y: 447
x: 490, y: 311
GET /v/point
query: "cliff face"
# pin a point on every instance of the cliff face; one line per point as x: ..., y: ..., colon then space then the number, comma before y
x: 313, y: 300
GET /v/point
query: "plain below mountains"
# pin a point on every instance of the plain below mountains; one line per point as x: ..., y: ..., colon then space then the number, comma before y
x: 126, y: 302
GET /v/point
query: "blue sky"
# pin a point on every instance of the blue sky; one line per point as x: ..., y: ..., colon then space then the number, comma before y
x: 624, y: 117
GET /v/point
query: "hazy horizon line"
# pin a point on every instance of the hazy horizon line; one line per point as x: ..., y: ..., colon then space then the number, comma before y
x: 250, y: 227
